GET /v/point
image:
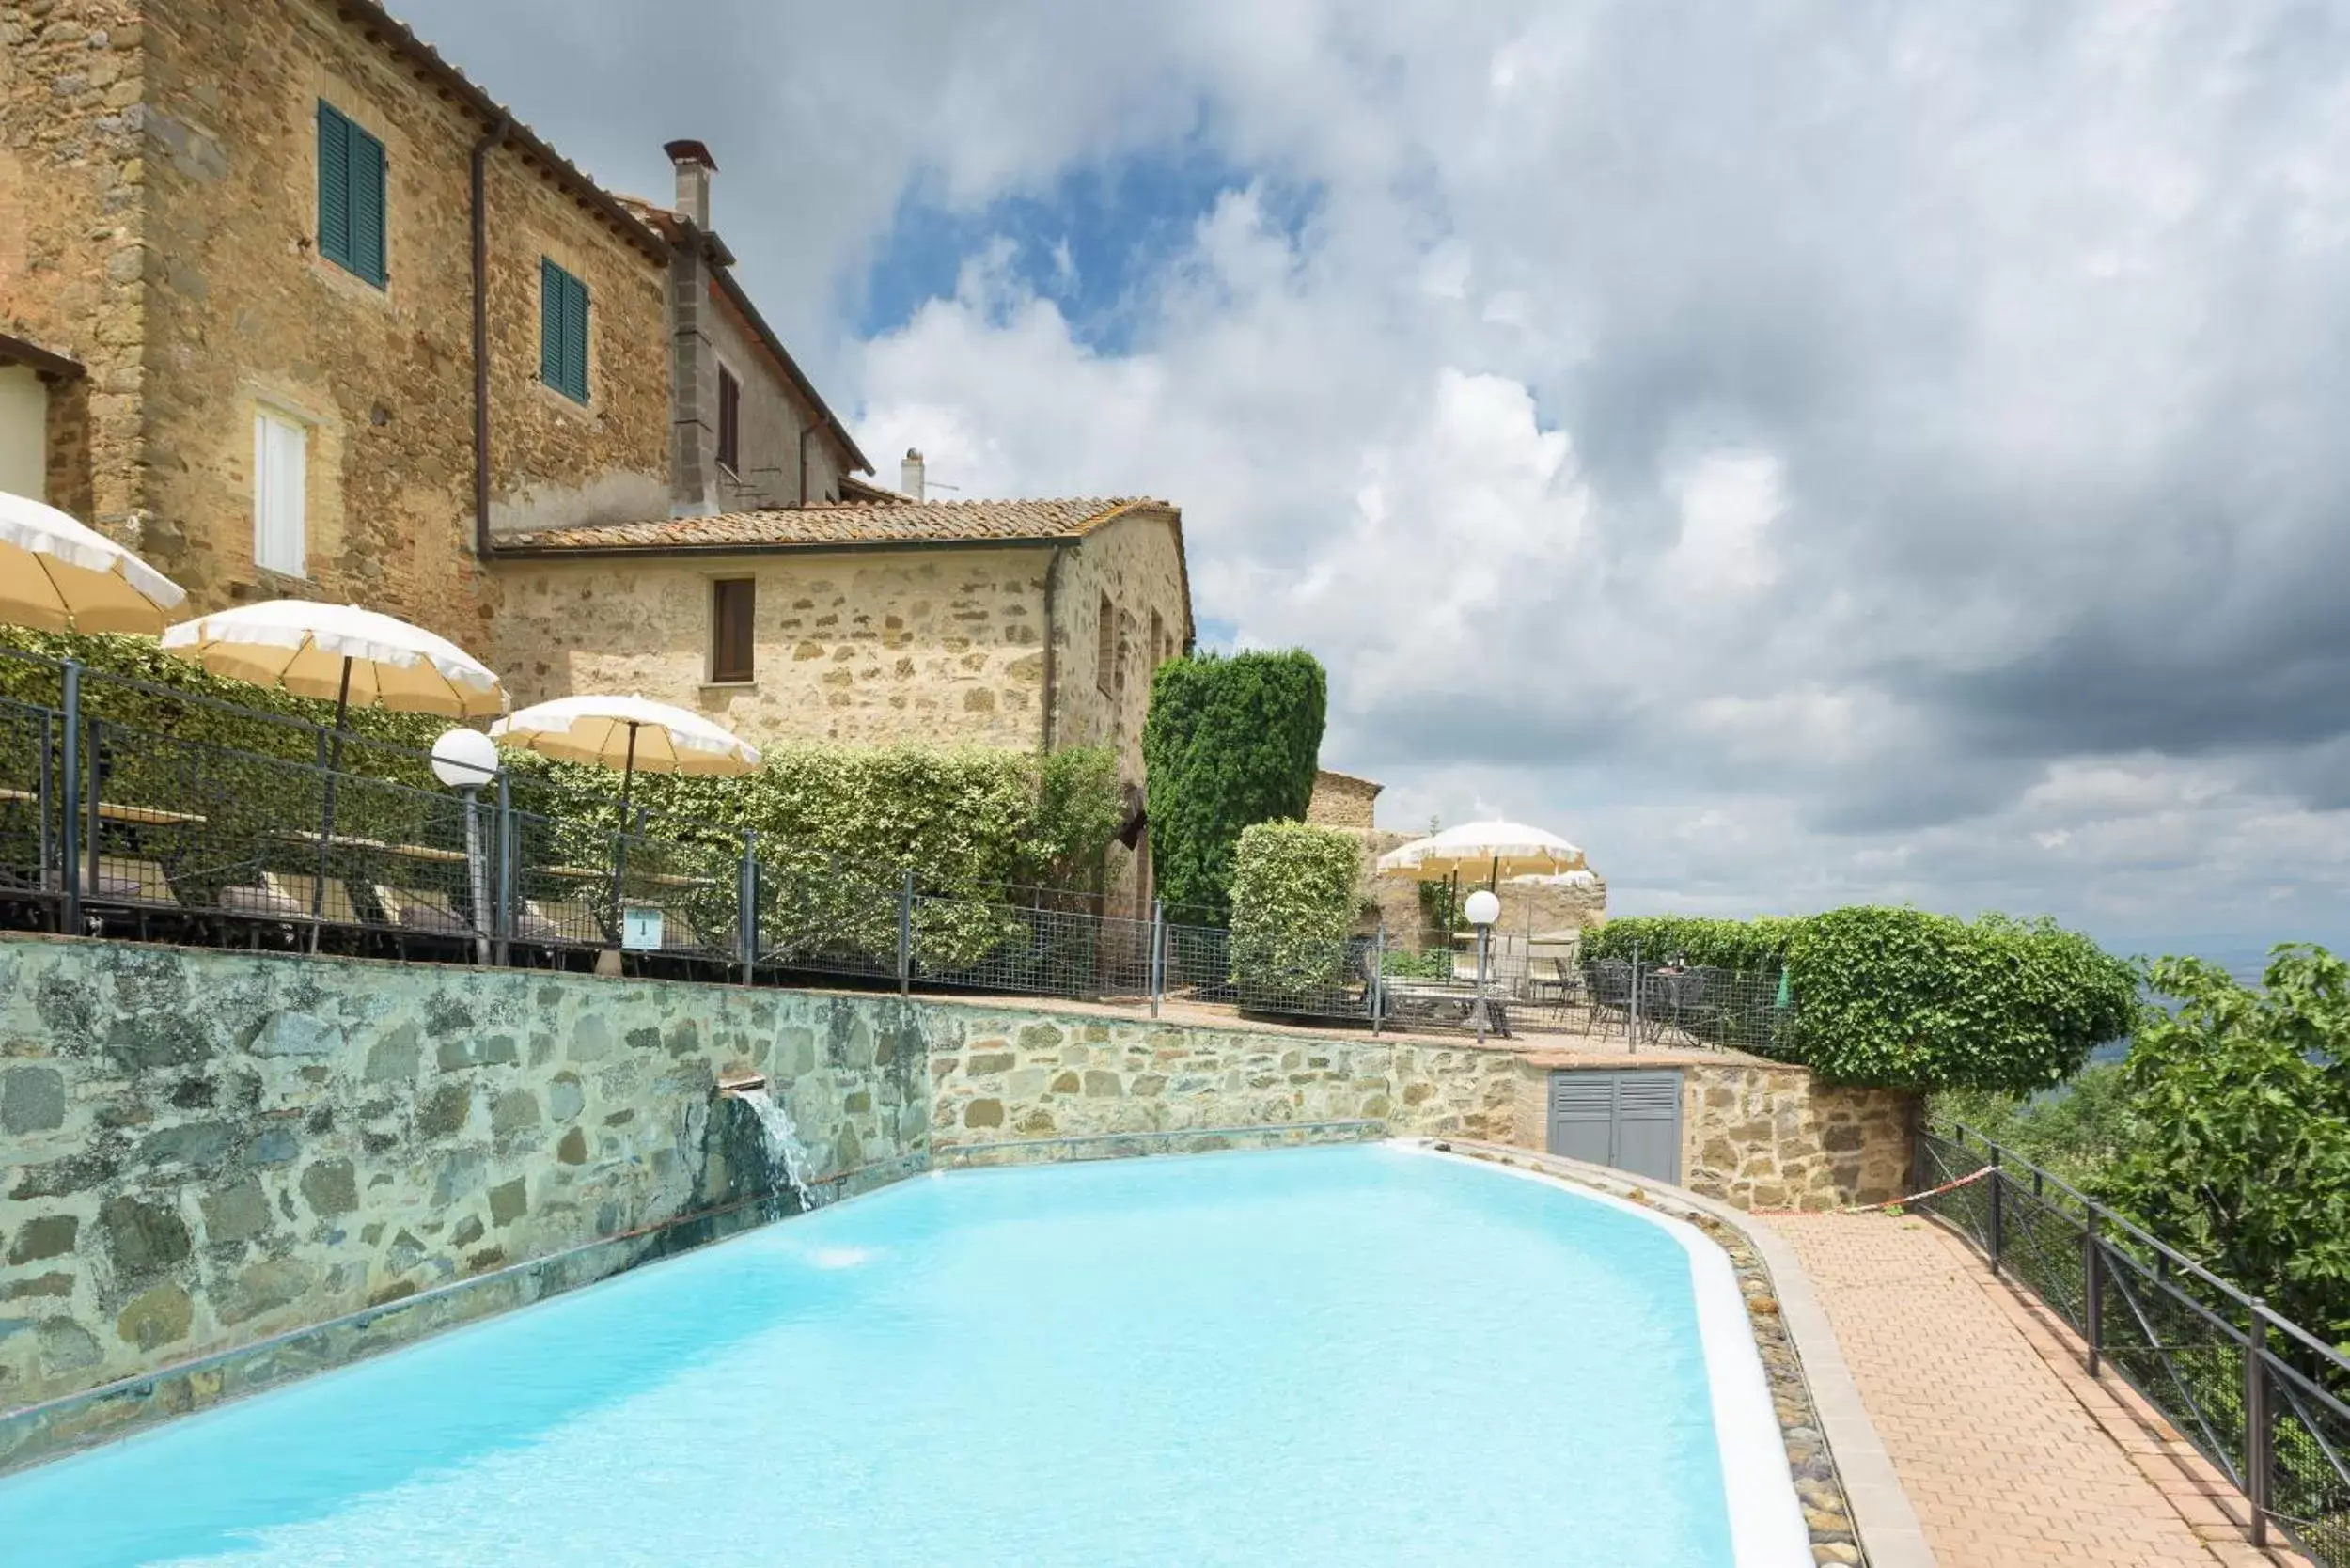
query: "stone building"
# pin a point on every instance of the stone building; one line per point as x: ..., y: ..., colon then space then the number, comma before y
x: 1021, y: 624
x: 1344, y: 800
x: 297, y: 311
x: 293, y: 308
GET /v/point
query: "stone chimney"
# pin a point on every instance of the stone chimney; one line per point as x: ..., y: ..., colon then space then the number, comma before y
x: 910, y: 475
x: 695, y: 166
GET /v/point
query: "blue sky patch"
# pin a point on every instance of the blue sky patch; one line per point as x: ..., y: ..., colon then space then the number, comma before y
x: 1095, y: 243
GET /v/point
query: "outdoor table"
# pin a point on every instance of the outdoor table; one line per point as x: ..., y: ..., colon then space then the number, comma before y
x: 142, y: 816
x: 655, y: 879
x: 1442, y: 1004
x: 407, y: 851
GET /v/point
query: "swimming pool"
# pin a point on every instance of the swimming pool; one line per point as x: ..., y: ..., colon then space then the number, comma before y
x: 1360, y: 1354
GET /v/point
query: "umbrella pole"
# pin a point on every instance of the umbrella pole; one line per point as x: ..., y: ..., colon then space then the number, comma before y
x: 326, y: 825
x: 619, y: 849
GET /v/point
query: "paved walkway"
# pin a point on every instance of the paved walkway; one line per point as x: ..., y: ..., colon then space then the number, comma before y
x: 2011, y: 1454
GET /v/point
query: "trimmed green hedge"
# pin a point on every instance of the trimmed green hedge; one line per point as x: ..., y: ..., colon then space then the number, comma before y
x: 1293, y: 901
x: 1230, y: 741
x: 967, y: 821
x: 1745, y: 946
x: 1905, y: 999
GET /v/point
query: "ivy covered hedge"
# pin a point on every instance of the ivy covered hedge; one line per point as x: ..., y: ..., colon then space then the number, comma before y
x: 970, y: 821
x: 1903, y: 998
x: 1230, y: 741
x: 1294, y: 894
x: 1744, y: 945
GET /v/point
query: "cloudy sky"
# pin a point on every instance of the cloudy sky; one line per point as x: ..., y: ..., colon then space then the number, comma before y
x: 1805, y: 450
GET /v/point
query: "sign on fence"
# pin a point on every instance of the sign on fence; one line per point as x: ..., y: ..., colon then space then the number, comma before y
x: 640, y: 930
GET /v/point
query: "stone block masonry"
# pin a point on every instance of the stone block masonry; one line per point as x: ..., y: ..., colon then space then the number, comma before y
x: 201, y: 1149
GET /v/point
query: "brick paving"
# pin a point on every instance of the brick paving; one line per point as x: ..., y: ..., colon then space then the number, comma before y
x: 2008, y: 1451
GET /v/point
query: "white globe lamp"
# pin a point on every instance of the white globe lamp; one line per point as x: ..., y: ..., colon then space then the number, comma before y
x: 465, y: 759
x: 1483, y: 909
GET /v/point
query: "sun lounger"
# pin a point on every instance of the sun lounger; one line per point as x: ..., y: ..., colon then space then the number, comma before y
x: 425, y: 912
x: 558, y: 922
x: 292, y: 892
x: 126, y: 881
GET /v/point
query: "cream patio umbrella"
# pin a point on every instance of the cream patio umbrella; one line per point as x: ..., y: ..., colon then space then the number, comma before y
x: 342, y: 651
x: 629, y: 733
x: 357, y: 657
x: 60, y: 575
x: 1486, y: 851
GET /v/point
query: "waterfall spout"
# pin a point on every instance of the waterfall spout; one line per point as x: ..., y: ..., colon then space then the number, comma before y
x: 785, y: 1152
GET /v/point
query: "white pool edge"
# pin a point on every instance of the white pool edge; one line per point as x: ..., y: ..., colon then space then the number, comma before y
x: 1766, y: 1523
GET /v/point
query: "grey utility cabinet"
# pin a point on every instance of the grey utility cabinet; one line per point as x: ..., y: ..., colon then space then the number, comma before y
x: 1630, y: 1119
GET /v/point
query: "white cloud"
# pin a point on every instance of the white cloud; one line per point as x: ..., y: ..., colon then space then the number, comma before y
x: 1915, y: 462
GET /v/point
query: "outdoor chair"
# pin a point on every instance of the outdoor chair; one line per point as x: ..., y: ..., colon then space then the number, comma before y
x: 1700, y: 998
x: 1609, y: 982
x: 1560, y: 987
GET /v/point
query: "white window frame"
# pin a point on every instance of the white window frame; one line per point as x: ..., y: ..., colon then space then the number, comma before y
x: 281, y: 475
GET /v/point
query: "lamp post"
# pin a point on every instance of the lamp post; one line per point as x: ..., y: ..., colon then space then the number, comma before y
x: 466, y: 760
x: 1482, y: 911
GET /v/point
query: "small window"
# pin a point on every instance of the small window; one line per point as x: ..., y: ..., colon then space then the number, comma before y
x: 1159, y: 649
x: 351, y: 196
x: 562, y: 330
x: 1106, y: 647
x: 281, y: 471
x: 730, y: 604
x: 729, y: 421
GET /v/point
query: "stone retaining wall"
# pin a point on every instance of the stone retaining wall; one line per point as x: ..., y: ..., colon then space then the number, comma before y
x: 1003, y: 1076
x: 203, y: 1151
x: 200, y: 1149
x: 1755, y: 1134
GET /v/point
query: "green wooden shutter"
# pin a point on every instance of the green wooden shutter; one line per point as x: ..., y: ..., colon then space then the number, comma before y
x: 562, y: 330
x: 351, y: 196
x: 367, y: 207
x: 550, y: 322
x: 333, y: 186
x: 575, y: 339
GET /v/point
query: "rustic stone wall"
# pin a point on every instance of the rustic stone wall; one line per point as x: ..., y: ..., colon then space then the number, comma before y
x: 1542, y: 904
x: 926, y: 647
x: 244, y: 313
x: 1013, y: 1076
x: 1137, y: 562
x: 199, y: 1148
x: 1769, y: 1136
x: 74, y: 260
x: 1757, y: 1135
x: 1342, y: 800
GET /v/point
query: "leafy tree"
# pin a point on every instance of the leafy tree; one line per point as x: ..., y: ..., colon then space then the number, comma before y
x: 2236, y: 1144
x: 1231, y: 741
x: 2075, y: 1130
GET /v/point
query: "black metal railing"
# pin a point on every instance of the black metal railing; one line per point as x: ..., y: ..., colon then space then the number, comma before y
x: 2266, y: 1402
x: 132, y: 807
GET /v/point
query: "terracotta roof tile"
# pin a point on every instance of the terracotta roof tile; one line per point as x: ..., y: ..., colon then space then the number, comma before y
x: 862, y: 523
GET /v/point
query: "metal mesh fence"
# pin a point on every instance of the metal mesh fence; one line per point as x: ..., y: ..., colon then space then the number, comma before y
x: 2310, y: 1491
x: 2266, y: 1402
x: 29, y: 738
x: 186, y: 838
x: 819, y: 920
x: 977, y: 945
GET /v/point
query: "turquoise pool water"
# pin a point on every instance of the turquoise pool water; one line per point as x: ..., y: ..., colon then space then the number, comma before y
x: 1308, y: 1358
